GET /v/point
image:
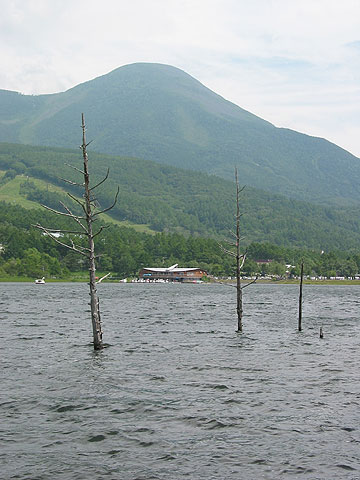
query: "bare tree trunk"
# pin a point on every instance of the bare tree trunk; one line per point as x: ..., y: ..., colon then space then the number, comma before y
x: 94, y: 300
x: 239, y: 306
x: 300, y: 296
x: 240, y: 258
x: 84, y: 223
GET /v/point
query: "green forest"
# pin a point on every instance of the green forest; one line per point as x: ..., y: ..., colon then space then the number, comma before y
x: 26, y: 253
x: 179, y: 216
x: 168, y: 199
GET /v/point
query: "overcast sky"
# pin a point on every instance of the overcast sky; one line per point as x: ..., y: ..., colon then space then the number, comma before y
x: 295, y: 63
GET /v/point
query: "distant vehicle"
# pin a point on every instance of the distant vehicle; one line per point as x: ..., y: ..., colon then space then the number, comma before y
x: 39, y: 281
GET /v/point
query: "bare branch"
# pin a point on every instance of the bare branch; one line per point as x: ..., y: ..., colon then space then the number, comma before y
x: 71, y: 182
x: 250, y: 283
x: 94, y: 202
x: 75, y: 168
x: 233, y: 244
x: 234, y: 286
x: 75, y: 217
x: 233, y: 254
x: 109, y: 208
x: 243, y: 261
x: 230, y: 243
x: 70, y: 247
x: 100, y: 230
x: 102, y: 278
x: 228, y: 252
x: 227, y: 284
x: 59, y: 230
x: 62, y: 213
x: 79, y: 247
x: 102, y: 181
x: 77, y: 201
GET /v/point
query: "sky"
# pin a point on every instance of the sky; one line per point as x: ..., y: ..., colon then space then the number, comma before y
x: 294, y: 63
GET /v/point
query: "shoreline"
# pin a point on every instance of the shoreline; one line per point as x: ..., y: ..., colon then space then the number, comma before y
x: 225, y: 282
x: 310, y: 282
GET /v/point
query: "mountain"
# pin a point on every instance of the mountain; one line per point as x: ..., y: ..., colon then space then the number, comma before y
x: 160, y: 113
x: 164, y: 198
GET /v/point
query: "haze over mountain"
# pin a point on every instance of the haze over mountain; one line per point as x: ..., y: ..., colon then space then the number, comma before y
x: 160, y: 113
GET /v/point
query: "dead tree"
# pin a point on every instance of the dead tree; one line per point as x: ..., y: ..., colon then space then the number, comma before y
x: 301, y: 297
x: 240, y: 257
x: 85, y: 223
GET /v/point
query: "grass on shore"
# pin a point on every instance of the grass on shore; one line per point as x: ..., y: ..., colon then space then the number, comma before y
x: 10, y: 193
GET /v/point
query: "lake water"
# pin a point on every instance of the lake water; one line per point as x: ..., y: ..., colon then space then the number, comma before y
x: 178, y: 393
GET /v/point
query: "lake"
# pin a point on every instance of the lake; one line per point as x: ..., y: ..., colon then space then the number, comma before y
x: 178, y: 393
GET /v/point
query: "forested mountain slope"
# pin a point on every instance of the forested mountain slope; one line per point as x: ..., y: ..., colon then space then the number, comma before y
x: 158, y: 112
x: 165, y: 198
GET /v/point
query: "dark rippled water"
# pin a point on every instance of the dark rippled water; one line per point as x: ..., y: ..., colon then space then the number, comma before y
x: 178, y: 393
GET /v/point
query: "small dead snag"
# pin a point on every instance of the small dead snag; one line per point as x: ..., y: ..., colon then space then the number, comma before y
x: 85, y: 223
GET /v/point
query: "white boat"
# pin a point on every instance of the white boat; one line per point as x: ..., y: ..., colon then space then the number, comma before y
x: 39, y: 281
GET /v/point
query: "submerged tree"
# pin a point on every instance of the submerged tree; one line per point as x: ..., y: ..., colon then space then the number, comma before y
x: 301, y: 296
x: 85, y: 223
x: 240, y: 257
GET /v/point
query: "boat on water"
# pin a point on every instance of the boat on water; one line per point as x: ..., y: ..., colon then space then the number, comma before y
x: 39, y: 281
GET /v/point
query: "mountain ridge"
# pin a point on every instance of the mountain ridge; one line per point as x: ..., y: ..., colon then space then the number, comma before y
x: 158, y: 112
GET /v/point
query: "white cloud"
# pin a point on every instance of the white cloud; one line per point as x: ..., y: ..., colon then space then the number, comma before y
x: 295, y: 63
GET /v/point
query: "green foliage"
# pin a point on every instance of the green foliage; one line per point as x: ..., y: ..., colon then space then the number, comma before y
x: 27, y: 252
x: 9, y: 175
x: 35, y: 264
x: 49, y: 198
x: 174, y: 200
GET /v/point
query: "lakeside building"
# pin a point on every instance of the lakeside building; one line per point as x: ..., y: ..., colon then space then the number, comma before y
x: 173, y: 274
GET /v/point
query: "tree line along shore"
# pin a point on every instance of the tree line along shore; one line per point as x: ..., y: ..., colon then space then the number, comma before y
x: 25, y: 253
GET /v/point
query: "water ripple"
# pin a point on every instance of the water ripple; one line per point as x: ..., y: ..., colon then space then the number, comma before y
x: 178, y: 393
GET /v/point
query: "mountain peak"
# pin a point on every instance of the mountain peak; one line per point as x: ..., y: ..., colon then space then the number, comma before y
x: 158, y: 112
